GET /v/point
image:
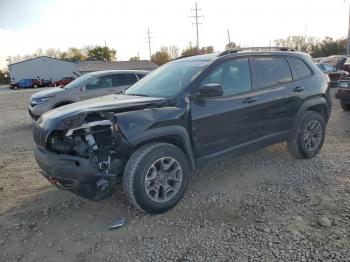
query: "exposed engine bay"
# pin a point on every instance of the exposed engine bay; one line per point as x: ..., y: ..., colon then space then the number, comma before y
x: 96, y: 139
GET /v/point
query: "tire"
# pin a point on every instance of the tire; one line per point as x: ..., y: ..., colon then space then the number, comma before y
x: 345, y: 106
x: 15, y: 87
x: 300, y: 144
x: 35, y: 86
x: 142, y: 167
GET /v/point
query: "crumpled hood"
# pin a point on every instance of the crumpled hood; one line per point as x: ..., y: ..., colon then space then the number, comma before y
x: 53, y: 118
x: 49, y: 92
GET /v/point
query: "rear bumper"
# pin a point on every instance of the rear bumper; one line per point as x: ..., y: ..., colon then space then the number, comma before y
x: 75, y: 174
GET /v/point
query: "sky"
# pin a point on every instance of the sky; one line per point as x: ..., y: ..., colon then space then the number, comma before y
x: 27, y: 25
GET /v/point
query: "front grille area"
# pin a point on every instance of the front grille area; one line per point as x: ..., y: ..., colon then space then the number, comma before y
x: 39, y: 135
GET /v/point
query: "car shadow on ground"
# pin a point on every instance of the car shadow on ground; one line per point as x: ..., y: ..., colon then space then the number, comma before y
x: 234, y: 177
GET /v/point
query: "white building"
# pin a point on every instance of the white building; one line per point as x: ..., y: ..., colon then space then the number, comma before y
x: 48, y: 68
x: 42, y: 67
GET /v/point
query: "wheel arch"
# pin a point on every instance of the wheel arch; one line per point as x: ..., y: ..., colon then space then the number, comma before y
x: 175, y: 135
x: 63, y: 103
x: 317, y: 104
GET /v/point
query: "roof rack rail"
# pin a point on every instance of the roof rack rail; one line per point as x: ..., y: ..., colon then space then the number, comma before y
x: 184, y: 56
x: 257, y: 48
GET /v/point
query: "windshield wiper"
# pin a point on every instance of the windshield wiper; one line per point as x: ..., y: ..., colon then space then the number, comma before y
x: 137, y: 95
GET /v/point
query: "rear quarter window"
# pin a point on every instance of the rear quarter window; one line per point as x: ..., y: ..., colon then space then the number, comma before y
x: 271, y: 71
x: 301, y: 70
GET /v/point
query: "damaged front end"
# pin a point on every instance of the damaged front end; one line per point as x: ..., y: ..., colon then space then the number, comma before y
x: 85, y: 154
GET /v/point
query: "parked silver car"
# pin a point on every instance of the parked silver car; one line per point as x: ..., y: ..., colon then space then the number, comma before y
x: 85, y: 87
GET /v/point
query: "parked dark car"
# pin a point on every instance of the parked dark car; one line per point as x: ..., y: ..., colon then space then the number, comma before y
x: 343, y: 93
x: 63, y: 81
x: 182, y: 116
x: 334, y: 74
x: 26, y: 83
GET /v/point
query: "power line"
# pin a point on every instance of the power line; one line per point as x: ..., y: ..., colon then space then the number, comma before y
x: 196, y: 16
x: 149, y: 37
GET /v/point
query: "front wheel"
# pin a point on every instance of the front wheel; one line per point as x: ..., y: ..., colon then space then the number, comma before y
x: 308, y: 137
x: 156, y: 177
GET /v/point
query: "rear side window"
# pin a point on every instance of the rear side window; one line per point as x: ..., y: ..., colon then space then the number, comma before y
x: 300, y: 68
x: 126, y: 79
x: 271, y: 71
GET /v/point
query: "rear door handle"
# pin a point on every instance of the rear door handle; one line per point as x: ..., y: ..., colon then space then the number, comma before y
x: 250, y: 100
x: 298, y: 89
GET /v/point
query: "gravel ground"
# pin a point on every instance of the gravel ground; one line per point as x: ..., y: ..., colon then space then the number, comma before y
x: 262, y: 206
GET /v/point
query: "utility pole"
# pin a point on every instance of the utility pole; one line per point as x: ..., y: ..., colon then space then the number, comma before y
x: 149, y: 37
x: 229, y: 39
x: 196, y: 16
x: 348, y: 43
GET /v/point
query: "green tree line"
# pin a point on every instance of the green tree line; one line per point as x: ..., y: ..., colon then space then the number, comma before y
x: 102, y: 53
x: 315, y: 47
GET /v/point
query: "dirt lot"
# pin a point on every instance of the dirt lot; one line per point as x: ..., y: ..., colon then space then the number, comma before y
x: 262, y: 206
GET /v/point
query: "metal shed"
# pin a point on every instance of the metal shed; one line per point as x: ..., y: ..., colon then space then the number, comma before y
x: 42, y: 67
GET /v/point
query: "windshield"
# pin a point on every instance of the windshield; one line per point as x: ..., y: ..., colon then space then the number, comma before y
x: 80, y: 81
x: 168, y: 80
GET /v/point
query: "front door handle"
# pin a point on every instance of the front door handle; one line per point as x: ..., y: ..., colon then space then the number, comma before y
x: 250, y: 100
x: 298, y: 89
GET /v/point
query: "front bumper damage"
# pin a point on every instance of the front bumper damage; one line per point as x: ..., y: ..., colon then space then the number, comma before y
x: 83, y: 159
x: 77, y: 175
x: 74, y: 174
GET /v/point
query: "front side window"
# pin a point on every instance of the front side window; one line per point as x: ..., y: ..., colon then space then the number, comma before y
x: 140, y: 76
x: 100, y: 82
x: 300, y: 68
x: 233, y: 76
x: 126, y: 79
x: 271, y: 71
x: 79, y: 82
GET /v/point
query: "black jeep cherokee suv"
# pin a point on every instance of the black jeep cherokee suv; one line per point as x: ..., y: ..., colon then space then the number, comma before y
x: 179, y: 118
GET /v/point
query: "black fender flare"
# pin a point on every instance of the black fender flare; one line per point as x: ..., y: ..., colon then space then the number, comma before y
x: 158, y: 133
x: 308, y: 104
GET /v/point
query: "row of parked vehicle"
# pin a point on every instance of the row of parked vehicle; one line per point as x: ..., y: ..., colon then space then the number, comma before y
x: 176, y: 119
x: 35, y: 83
x: 338, y: 70
x: 336, y: 67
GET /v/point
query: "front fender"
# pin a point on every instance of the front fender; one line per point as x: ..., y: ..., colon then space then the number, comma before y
x: 155, y: 124
x: 309, y: 104
x: 166, y: 131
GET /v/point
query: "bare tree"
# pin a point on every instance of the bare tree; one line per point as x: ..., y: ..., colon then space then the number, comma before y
x: 173, y: 52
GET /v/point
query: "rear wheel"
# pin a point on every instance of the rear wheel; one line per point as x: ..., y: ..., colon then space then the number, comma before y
x: 345, y: 106
x: 308, y: 137
x: 15, y: 87
x: 156, y: 177
x: 35, y: 86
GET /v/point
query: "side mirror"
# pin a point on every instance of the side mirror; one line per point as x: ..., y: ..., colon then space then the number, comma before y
x: 210, y: 90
